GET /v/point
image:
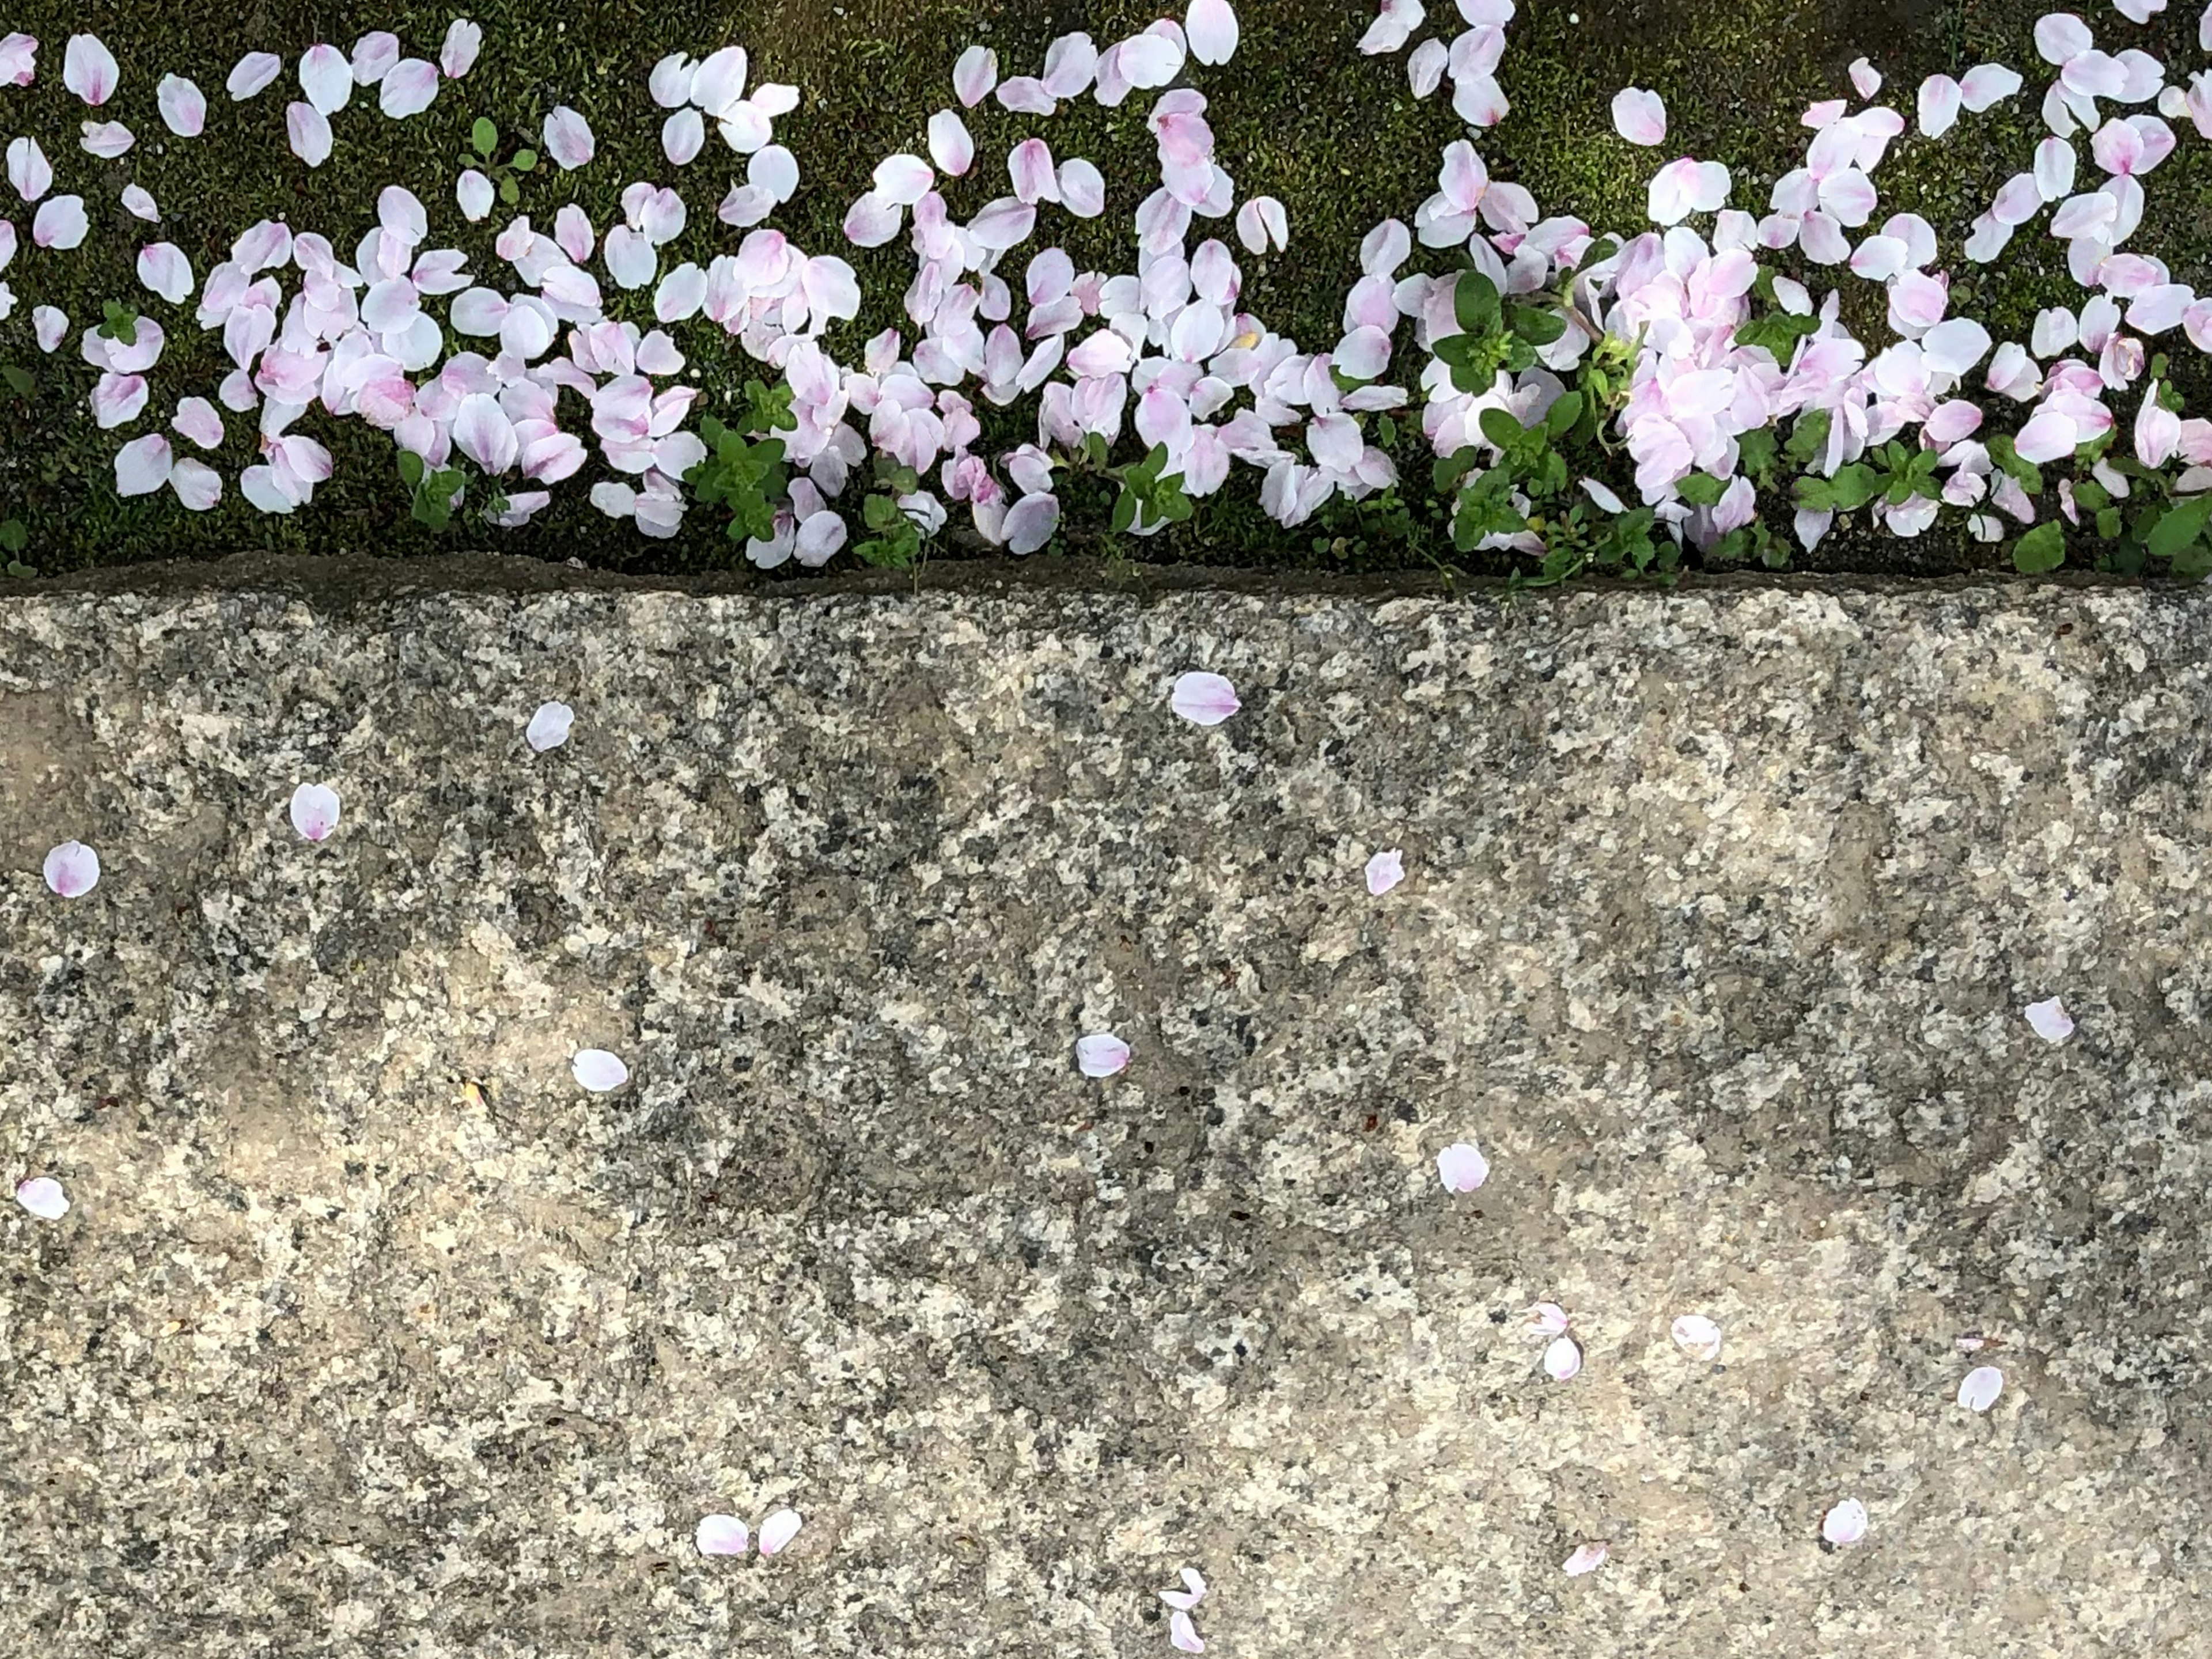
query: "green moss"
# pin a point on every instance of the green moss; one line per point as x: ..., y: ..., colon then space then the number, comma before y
x: 1299, y: 115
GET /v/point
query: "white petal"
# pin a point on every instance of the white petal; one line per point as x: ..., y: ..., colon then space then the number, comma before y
x: 1846, y: 1523
x: 682, y: 135
x: 253, y: 72
x: 721, y: 1535
x: 42, y: 1195
x: 1385, y: 871
x: 1587, y: 1558
x: 1548, y: 1319
x: 2050, y: 1020
x: 326, y: 77
x: 141, y: 466
x: 409, y: 87
x: 1694, y: 1334
x: 1182, y: 1635
x: 548, y: 726
x: 1101, y: 1055
x: 309, y: 130
x: 182, y: 106
x: 315, y: 811
x: 569, y: 138
x: 88, y: 70
x: 599, y: 1071
x: 1463, y: 1167
x: 778, y: 1530
x: 72, y: 870
x: 1563, y: 1360
x: 1202, y: 698
x: 1981, y: 1387
x: 1640, y: 116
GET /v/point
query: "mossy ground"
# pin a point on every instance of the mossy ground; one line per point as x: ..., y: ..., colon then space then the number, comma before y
x: 1299, y: 114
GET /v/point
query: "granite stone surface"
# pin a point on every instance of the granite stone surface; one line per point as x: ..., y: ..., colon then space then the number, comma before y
x: 369, y: 1332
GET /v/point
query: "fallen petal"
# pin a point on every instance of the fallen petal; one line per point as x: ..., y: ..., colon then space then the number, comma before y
x: 1846, y: 1523
x: 1981, y: 1387
x: 1563, y: 1359
x: 721, y: 1535
x: 72, y: 870
x: 1462, y: 1167
x: 1587, y: 1558
x: 1640, y: 116
x: 1696, y: 1334
x: 315, y: 811
x: 253, y: 72
x: 2049, y: 1020
x: 183, y: 105
x: 1182, y: 1635
x: 1204, y: 699
x: 1101, y: 1055
x: 599, y: 1071
x: 569, y: 138
x: 42, y: 1195
x: 779, y: 1529
x: 1385, y: 871
x: 88, y: 70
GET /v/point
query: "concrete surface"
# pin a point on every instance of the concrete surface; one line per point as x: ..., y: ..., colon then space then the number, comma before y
x: 1722, y: 905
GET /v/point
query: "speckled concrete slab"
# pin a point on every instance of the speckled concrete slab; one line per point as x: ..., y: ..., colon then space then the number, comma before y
x: 1721, y: 910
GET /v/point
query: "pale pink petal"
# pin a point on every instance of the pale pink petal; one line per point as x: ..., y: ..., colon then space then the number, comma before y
x: 871, y: 221
x: 1385, y: 871
x: 252, y: 73
x: 141, y: 466
x: 1082, y: 189
x: 106, y: 139
x: 117, y: 399
x: 1070, y: 64
x: 1587, y: 1558
x: 721, y: 1535
x: 1696, y: 1334
x: 1101, y: 1055
x: 1210, y: 26
x: 1425, y: 68
x: 457, y: 56
x: 1640, y: 116
x: 1865, y: 78
x: 72, y: 870
x: 778, y: 1530
x: 1939, y: 98
x: 483, y: 432
x: 1563, y: 1359
x: 374, y: 54
x: 1150, y: 60
x: 19, y: 59
x: 197, y: 485
x: 975, y: 74
x: 88, y: 70
x: 1981, y: 1387
x: 1031, y: 522
x: 1462, y: 1167
x: 597, y: 1070
x: 1986, y: 84
x: 29, y: 171
x: 1259, y: 221
x: 409, y: 87
x: 569, y: 139
x: 2049, y: 1020
x: 315, y: 811
x: 903, y: 179
x: 1202, y: 698
x: 672, y: 80
x: 183, y: 105
x: 1025, y: 94
x: 2054, y: 167
x: 163, y: 268
x: 1548, y: 1319
x: 326, y: 77
x: 1182, y: 1635
x: 682, y: 135
x: 2061, y: 37
x: 1005, y: 223
x: 42, y: 1195
x: 1846, y: 1523
x: 774, y: 171
x: 139, y: 203
x: 474, y: 194
x: 1030, y: 168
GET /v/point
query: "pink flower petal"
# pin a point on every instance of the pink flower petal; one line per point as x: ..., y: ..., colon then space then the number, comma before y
x: 778, y: 1530
x: 196, y: 418
x: 1182, y: 1635
x: 1563, y: 1359
x: 408, y: 86
x: 141, y: 466
x: 721, y: 1535
x: 1846, y: 1523
x: 950, y: 146
x: 1548, y: 1319
x: 326, y: 77
x: 72, y: 870
x: 1210, y: 26
x: 548, y: 726
x: 1030, y: 168
x: 457, y: 56
x: 597, y: 1070
x: 29, y: 171
x: 682, y: 135
x: 42, y: 1195
x: 88, y: 70
x: 2049, y: 1020
x: 252, y: 73
x: 1986, y: 84
x: 1939, y: 101
x: 1030, y: 523
x: 1587, y: 1558
x: 1696, y: 1334
x: 1981, y: 1387
x: 19, y: 59
x: 139, y: 203
x: 1082, y: 189
x: 483, y: 432
x: 903, y: 179
x: 1865, y: 78
x: 1385, y: 871
x: 164, y: 269
x: 315, y: 811
x: 1462, y: 1167
x: 1640, y: 116
x: 106, y: 139
x: 1202, y: 698
x: 1101, y: 1055
x: 374, y: 54
x: 975, y: 74
x: 569, y: 139
x: 183, y: 105
x: 198, y: 486
x: 1260, y: 220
